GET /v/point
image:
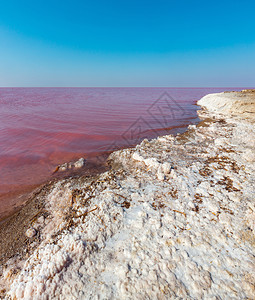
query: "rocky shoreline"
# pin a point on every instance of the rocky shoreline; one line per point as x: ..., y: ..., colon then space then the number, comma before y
x: 173, y: 217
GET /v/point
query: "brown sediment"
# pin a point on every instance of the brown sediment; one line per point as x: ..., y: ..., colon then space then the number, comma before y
x: 12, y: 201
x: 13, y: 240
x: 12, y: 230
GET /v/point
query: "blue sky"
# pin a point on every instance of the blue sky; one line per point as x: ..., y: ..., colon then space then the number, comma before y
x: 127, y: 43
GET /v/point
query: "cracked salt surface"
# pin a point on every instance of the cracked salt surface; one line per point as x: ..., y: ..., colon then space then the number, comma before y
x: 176, y: 220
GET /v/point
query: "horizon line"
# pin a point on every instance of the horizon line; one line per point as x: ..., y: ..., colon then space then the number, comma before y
x: 173, y: 87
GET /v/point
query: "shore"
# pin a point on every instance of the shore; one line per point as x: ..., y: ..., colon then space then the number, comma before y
x: 173, y: 217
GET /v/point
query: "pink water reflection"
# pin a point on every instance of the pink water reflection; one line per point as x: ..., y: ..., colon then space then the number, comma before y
x: 43, y: 127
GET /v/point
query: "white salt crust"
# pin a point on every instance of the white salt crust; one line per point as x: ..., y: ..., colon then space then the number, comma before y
x: 240, y: 104
x: 176, y: 221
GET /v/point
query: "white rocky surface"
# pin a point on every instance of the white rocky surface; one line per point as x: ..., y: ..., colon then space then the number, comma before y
x: 175, y: 221
x: 240, y: 104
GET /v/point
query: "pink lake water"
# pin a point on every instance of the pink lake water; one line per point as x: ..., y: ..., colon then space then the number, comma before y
x: 41, y: 128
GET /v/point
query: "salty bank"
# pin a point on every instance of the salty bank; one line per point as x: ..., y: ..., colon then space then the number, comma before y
x: 172, y: 218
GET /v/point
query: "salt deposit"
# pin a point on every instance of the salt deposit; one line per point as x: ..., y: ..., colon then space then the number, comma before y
x: 68, y: 166
x: 175, y: 220
x: 31, y: 232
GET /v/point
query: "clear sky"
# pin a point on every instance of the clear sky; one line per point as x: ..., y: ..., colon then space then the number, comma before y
x: 127, y: 43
